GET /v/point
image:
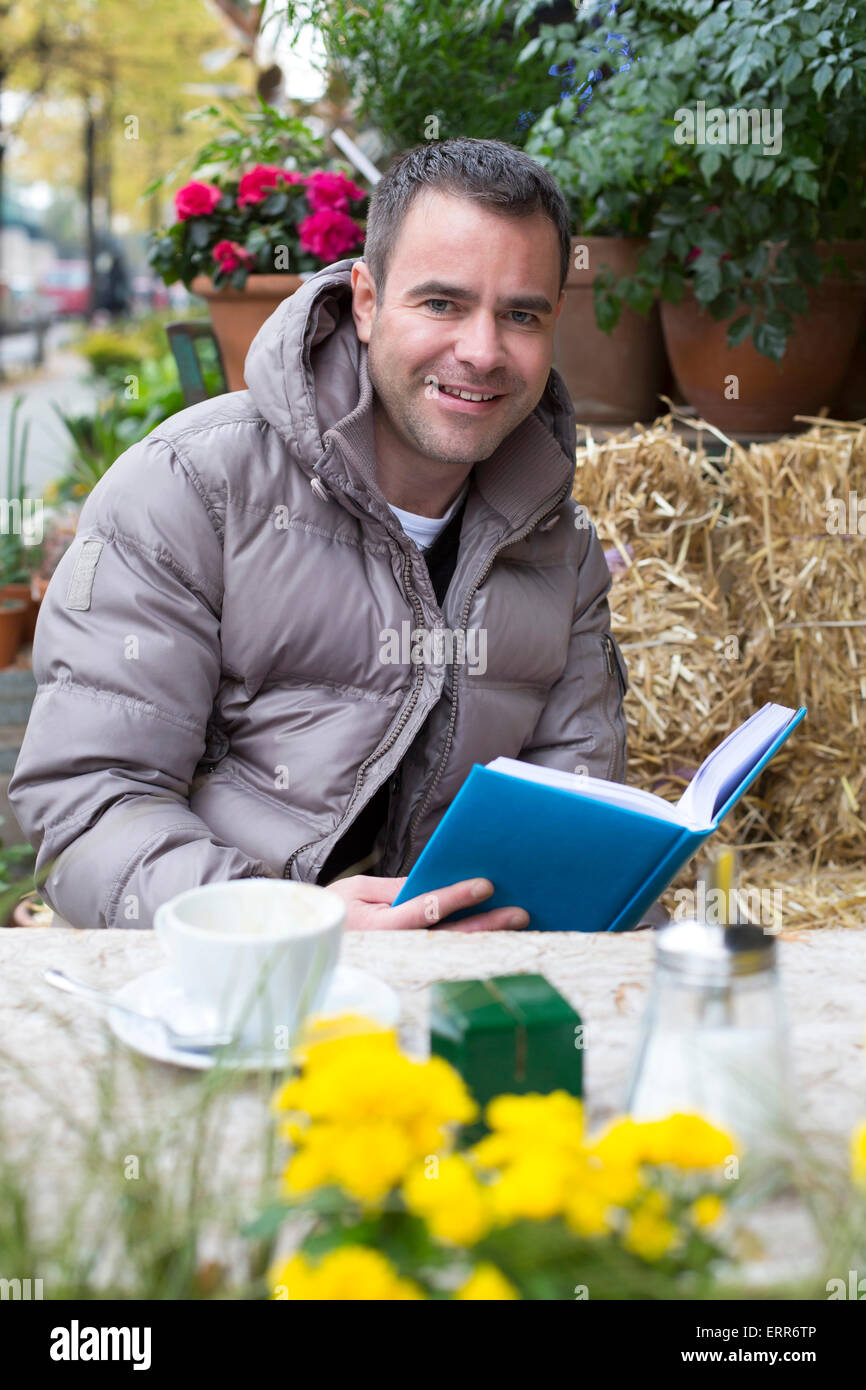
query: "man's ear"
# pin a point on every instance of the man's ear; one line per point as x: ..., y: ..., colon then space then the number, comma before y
x: 559, y: 304
x: 363, y: 300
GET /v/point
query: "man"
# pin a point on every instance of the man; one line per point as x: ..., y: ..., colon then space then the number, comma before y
x: 225, y: 688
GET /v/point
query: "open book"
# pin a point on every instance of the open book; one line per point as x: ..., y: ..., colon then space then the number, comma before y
x: 579, y: 853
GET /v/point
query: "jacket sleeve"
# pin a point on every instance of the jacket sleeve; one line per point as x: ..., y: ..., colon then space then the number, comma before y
x: 582, y: 727
x: 127, y: 664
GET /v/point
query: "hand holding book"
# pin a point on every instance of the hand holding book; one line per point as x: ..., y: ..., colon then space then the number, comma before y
x: 580, y: 853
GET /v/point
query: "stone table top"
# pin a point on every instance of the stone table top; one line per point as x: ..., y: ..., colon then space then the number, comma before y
x: 55, y: 1052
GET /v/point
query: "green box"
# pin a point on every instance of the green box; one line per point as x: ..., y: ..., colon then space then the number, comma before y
x: 511, y: 1034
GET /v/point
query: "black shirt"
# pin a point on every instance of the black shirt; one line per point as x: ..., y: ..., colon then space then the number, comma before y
x: 359, y: 840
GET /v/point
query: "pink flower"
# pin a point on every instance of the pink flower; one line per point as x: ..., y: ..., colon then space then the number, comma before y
x: 331, y: 190
x: 329, y: 234
x: 229, y: 255
x: 257, y: 183
x: 196, y: 200
x: 693, y: 255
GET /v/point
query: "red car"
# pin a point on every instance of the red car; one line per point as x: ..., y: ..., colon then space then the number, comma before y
x: 66, y: 284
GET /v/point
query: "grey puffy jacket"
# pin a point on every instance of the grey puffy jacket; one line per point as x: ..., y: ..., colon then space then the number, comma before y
x: 218, y: 691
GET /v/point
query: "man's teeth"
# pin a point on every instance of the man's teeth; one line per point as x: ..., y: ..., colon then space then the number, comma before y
x: 465, y: 395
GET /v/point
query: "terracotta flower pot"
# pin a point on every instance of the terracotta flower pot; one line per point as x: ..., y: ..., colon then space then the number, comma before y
x: 12, y: 612
x: 741, y: 390
x: 616, y: 377
x: 237, y: 315
x: 31, y: 607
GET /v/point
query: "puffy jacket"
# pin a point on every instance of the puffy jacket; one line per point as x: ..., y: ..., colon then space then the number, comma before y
x: 226, y: 656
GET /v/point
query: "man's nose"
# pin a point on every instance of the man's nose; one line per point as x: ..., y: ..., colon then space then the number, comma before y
x: 479, y: 342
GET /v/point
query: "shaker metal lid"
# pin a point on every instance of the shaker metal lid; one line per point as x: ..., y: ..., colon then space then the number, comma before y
x: 709, y: 951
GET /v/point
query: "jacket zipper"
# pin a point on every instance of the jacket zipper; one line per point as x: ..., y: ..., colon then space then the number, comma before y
x: 449, y: 735
x: 395, y: 732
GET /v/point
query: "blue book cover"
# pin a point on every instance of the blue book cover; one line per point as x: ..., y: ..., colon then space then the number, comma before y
x: 581, y: 857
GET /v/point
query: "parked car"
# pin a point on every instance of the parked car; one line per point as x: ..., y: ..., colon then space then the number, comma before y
x: 67, y: 285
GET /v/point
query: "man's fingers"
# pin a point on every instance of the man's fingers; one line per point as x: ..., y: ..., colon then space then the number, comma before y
x: 498, y: 919
x: 429, y: 908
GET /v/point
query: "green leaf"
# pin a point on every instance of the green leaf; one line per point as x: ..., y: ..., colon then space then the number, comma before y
x: 770, y: 340
x: 843, y: 77
x: 529, y: 51
x: 708, y: 279
x: 201, y: 231
x: 791, y: 66
x: 607, y: 311
x: 709, y: 161
x: 743, y: 167
x: 822, y: 79
x: 639, y: 295
x: 739, y: 330
x: 793, y: 297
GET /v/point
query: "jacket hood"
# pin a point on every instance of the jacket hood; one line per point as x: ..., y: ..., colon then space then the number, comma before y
x: 306, y: 371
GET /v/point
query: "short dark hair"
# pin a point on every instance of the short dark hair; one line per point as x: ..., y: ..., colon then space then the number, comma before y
x: 498, y: 175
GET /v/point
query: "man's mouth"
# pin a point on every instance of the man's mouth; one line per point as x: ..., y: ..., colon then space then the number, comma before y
x: 466, y: 399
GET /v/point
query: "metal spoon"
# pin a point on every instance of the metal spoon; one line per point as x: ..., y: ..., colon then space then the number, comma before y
x: 188, y: 1042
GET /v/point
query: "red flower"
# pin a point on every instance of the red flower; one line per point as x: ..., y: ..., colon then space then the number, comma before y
x: 329, y: 234
x: 196, y: 200
x: 229, y: 255
x: 331, y: 190
x: 693, y: 255
x: 257, y: 183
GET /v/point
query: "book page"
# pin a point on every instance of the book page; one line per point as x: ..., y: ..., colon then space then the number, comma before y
x: 730, y: 763
x: 615, y: 793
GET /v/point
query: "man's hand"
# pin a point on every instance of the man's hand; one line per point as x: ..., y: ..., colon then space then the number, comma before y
x: 368, y: 906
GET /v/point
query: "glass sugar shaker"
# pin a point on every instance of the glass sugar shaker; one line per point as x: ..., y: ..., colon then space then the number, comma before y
x: 714, y: 1038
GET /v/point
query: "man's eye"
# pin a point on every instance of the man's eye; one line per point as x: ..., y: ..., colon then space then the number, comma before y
x: 438, y: 301
x: 527, y: 316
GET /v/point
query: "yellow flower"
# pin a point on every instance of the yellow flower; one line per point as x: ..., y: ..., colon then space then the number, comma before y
x: 535, y: 1187
x: 449, y: 1197
x: 687, y: 1141
x: 858, y: 1155
x: 350, y: 1272
x: 707, y: 1209
x: 542, y: 1119
x: 586, y: 1213
x: 362, y: 1113
x: 649, y: 1234
x: 620, y: 1145
x: 486, y: 1283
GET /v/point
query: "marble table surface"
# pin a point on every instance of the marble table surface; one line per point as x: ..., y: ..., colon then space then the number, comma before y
x: 55, y: 1054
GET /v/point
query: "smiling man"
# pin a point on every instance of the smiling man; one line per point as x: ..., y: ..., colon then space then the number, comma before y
x: 223, y: 688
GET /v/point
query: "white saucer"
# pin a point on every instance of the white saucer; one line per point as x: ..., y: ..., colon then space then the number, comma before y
x: 158, y: 993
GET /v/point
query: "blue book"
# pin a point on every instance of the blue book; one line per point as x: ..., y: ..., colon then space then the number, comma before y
x: 580, y: 853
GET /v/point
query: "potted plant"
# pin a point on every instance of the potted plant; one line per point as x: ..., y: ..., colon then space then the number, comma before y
x: 250, y: 224
x: 752, y: 127
x: 434, y: 70
x: 609, y: 349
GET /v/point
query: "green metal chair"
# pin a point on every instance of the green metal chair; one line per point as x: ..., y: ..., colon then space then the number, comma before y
x: 186, y: 340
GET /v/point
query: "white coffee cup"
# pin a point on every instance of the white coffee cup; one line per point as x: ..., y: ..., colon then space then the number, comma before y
x: 260, y: 953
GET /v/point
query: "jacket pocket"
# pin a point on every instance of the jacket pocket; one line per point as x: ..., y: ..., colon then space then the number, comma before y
x: 615, y: 687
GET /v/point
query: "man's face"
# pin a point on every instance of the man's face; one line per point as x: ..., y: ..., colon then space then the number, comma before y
x: 470, y: 302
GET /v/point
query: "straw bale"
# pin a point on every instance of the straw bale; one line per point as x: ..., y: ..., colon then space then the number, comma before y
x: 732, y: 587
